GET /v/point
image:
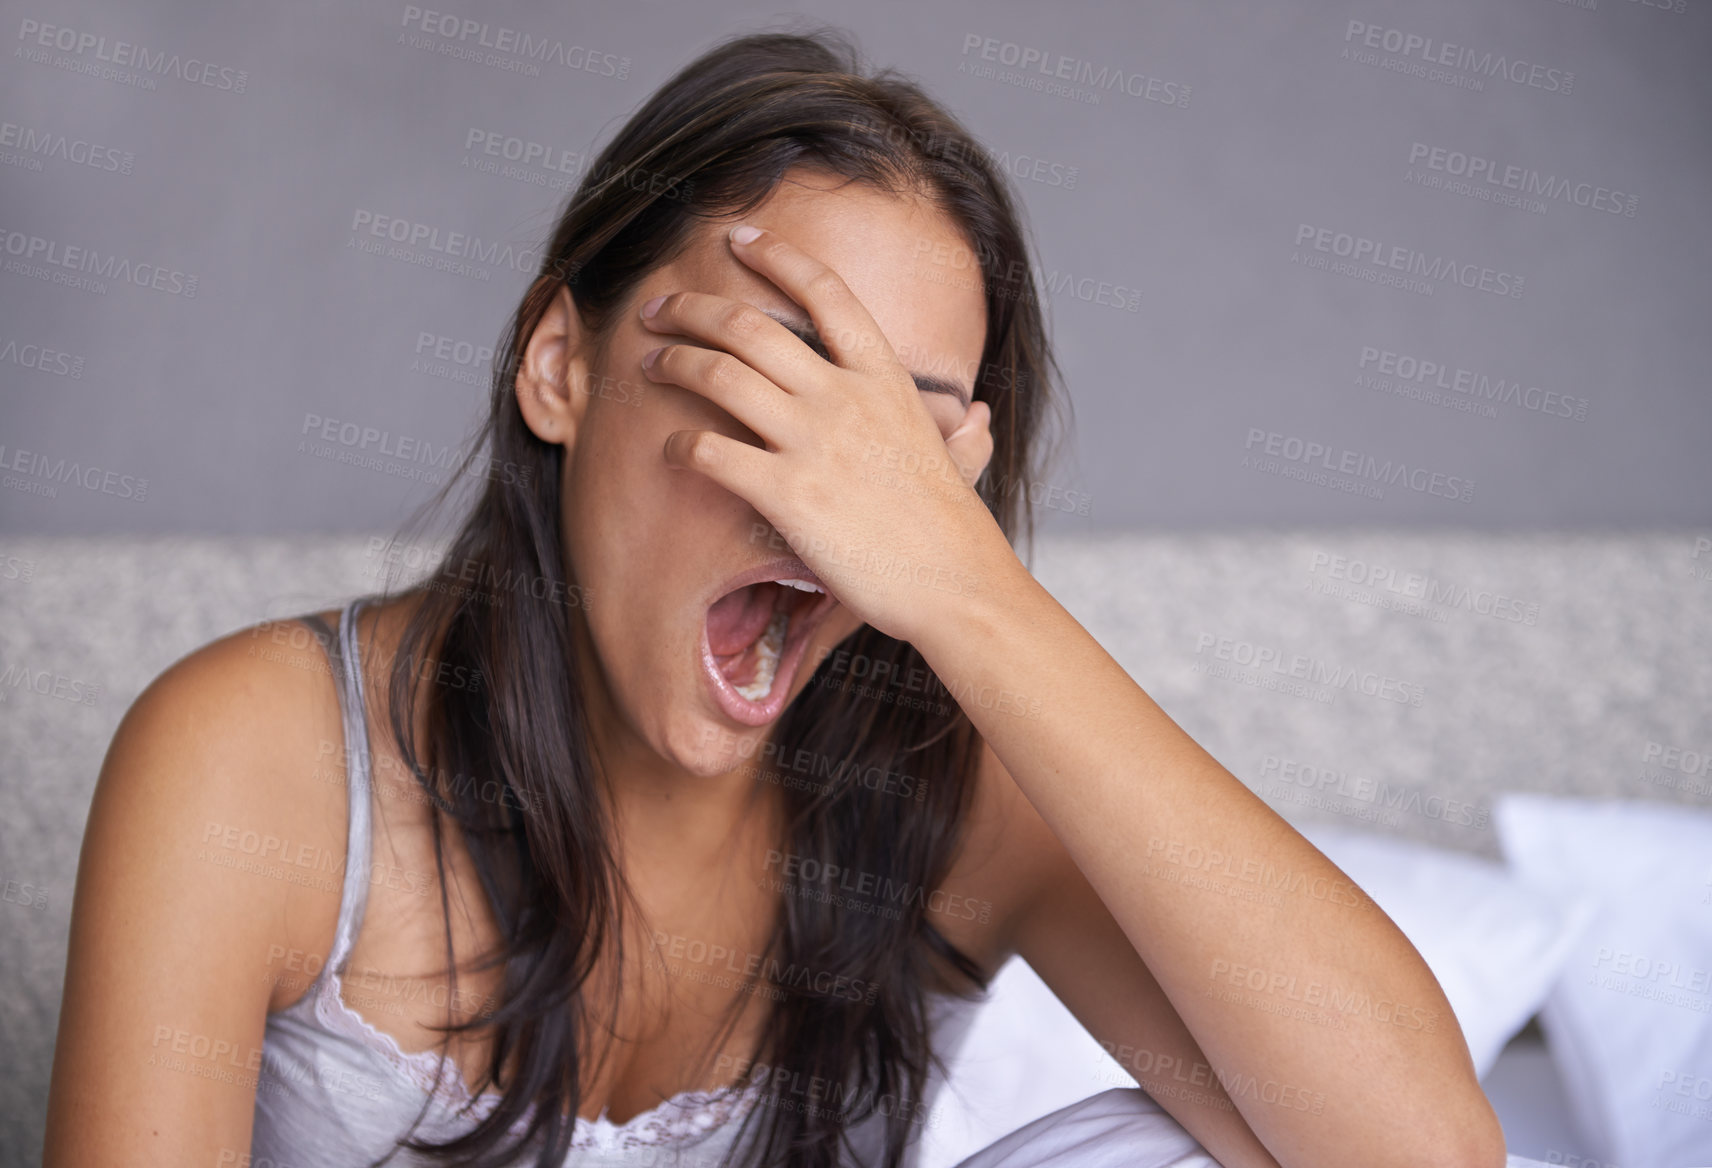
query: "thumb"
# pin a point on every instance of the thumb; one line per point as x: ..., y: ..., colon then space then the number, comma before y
x: 971, y: 443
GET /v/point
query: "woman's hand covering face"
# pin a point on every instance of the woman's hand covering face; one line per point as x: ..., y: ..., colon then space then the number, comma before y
x: 856, y: 476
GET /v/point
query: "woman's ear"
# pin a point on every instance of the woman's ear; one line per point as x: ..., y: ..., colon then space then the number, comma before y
x: 553, y: 371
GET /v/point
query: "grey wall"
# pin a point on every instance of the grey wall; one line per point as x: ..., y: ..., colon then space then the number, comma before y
x: 225, y: 168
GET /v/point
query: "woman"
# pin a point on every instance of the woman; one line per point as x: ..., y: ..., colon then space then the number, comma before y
x: 686, y: 808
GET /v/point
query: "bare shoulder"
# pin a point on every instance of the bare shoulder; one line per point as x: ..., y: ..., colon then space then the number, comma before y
x: 1010, y: 858
x: 206, y: 816
x: 286, y: 817
x: 232, y: 759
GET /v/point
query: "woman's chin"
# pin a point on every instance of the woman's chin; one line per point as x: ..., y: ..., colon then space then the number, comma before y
x: 707, y: 745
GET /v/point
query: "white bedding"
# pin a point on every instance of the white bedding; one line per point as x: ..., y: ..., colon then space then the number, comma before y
x: 1119, y: 1128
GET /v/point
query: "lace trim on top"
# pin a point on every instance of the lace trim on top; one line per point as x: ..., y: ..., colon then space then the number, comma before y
x: 686, y: 1118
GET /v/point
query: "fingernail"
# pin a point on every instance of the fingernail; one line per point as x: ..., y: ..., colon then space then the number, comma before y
x: 653, y: 306
x: 743, y: 233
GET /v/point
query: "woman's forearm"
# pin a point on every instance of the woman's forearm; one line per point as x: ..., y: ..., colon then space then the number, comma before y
x: 1281, y: 967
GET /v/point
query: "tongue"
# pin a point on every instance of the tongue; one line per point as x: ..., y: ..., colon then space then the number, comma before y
x: 736, y: 620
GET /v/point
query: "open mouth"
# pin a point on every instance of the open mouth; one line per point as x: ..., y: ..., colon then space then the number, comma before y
x: 754, y: 636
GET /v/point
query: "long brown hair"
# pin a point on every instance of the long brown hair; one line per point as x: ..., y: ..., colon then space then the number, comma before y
x: 713, y: 141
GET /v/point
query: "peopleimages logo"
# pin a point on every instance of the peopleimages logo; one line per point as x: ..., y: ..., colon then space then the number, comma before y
x: 39, y: 143
x: 42, y: 358
x: 452, y: 359
x: 961, y: 151
x: 42, y: 474
x: 424, y: 243
x: 1368, y: 582
x: 1403, y: 369
x: 1054, y: 73
x: 86, y: 267
x: 1428, y: 51
x: 121, y: 55
x: 463, y: 37
x: 1486, y: 178
x: 1311, y: 672
x: 1371, y: 256
x: 1327, y: 784
x: 1282, y: 450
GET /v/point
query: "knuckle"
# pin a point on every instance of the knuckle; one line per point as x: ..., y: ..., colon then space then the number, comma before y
x: 702, y: 450
x: 723, y: 371
x: 692, y: 447
x: 826, y: 284
x: 742, y: 320
x: 809, y: 492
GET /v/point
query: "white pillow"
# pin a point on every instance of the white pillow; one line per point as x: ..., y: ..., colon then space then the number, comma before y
x: 1025, y: 1055
x: 1630, y: 1021
x: 1495, y: 944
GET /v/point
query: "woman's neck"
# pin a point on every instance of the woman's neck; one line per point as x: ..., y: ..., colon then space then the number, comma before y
x: 682, y: 819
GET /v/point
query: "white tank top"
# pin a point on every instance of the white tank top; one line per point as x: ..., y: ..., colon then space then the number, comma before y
x: 333, y: 1090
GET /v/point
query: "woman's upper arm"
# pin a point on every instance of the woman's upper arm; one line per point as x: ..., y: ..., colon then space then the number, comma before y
x: 177, y: 913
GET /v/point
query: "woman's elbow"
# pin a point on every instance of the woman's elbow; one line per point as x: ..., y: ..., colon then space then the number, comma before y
x: 1474, y: 1139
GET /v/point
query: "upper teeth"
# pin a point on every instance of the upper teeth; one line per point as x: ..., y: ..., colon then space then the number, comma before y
x: 803, y: 585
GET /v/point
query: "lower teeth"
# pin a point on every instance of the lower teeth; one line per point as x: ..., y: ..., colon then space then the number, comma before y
x: 767, y: 651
